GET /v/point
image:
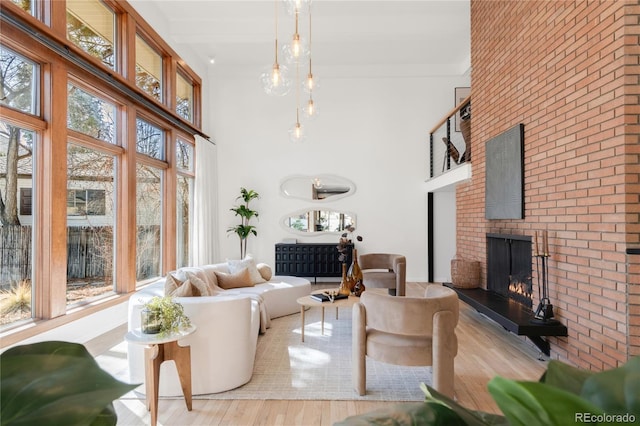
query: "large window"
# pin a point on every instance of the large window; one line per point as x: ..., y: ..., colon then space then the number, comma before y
x: 149, y: 139
x: 90, y: 223
x: 91, y: 27
x: 90, y: 115
x: 84, y: 165
x: 149, y: 221
x: 148, y: 69
x: 184, y: 97
x: 18, y: 82
x: 184, y: 199
x: 19, y: 90
x: 16, y: 230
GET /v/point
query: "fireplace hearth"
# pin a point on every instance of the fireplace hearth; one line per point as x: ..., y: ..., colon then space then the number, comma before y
x: 508, y: 298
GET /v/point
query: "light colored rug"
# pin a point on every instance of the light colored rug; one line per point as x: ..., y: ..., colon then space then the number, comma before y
x: 318, y: 369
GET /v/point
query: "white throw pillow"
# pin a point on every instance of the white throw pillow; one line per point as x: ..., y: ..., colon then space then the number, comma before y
x: 249, y: 263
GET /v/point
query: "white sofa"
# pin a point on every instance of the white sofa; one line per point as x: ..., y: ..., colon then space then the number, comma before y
x: 223, y: 347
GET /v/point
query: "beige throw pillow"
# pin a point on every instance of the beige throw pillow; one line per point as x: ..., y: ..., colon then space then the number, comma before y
x: 175, y: 288
x: 265, y: 271
x: 189, y: 286
x: 237, y: 280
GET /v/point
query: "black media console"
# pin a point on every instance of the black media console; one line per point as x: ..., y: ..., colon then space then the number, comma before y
x: 309, y: 260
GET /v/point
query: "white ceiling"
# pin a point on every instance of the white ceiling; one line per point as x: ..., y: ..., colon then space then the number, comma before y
x: 392, y: 37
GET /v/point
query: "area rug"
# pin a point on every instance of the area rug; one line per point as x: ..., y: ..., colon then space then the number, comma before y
x: 318, y: 368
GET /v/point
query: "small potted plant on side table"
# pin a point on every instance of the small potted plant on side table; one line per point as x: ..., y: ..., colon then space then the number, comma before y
x: 163, y: 315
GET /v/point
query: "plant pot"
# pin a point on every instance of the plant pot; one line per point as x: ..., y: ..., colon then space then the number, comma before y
x: 150, y: 321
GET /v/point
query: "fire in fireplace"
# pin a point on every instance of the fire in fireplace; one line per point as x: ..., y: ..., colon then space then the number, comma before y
x: 509, y: 267
x: 520, y: 290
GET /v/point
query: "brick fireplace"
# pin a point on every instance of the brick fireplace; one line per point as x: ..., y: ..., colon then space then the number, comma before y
x: 568, y: 72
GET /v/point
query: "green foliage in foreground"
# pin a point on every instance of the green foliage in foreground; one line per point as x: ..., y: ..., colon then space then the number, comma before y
x: 56, y: 383
x: 565, y: 395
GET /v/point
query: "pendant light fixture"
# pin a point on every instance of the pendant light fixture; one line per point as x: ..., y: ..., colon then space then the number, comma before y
x: 311, y: 82
x: 297, y: 50
x: 292, y: 5
x: 274, y: 80
x: 296, y: 132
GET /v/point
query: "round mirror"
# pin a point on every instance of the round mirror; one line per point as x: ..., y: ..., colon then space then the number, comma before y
x: 315, y: 222
x: 317, y: 187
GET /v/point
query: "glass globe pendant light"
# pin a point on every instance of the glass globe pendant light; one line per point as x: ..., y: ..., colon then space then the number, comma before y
x: 274, y: 79
x: 296, y: 132
x: 310, y: 109
x: 297, y: 50
x: 311, y: 82
x: 291, y: 6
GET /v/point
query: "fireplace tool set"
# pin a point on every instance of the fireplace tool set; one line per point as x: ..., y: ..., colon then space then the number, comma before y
x: 544, y: 311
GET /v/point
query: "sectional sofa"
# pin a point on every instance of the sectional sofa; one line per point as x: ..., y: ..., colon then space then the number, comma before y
x: 223, y: 348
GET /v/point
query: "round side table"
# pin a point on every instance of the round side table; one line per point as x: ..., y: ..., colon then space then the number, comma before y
x: 160, y: 348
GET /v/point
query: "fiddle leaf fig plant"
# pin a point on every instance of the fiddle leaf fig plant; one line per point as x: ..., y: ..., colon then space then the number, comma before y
x: 57, y: 383
x: 244, y: 229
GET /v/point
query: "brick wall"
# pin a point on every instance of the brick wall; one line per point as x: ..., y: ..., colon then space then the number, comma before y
x: 570, y: 72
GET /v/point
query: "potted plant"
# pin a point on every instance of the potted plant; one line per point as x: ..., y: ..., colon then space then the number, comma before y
x: 56, y: 383
x: 244, y: 229
x: 163, y: 315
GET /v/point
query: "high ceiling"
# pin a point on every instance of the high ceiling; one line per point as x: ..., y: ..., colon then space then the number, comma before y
x: 419, y: 37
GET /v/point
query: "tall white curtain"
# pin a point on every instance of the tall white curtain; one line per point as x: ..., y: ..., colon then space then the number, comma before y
x: 205, y: 227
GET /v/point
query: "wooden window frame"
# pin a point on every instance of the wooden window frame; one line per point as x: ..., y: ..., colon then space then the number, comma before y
x: 42, y: 39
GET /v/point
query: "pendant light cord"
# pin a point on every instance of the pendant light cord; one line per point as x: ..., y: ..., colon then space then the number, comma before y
x: 275, y: 3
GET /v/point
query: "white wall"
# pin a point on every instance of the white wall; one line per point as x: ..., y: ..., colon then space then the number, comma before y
x: 373, y: 131
x: 444, y: 229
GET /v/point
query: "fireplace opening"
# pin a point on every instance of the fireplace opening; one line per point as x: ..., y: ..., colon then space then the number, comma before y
x: 509, y: 267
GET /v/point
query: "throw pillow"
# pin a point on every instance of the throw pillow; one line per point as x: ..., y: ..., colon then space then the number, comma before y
x: 177, y: 288
x: 199, y: 284
x: 237, y: 280
x: 265, y: 271
x: 209, y: 272
x: 249, y: 263
x: 189, y: 286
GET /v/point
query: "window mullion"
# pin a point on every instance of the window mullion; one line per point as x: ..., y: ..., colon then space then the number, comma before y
x: 51, y: 234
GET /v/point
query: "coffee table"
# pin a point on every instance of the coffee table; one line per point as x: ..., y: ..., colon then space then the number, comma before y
x: 307, y: 302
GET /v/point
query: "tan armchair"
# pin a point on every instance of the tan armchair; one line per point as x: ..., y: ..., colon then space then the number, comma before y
x: 410, y: 331
x: 381, y: 270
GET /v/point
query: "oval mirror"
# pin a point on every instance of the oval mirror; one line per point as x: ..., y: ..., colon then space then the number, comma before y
x: 315, y: 222
x: 317, y: 187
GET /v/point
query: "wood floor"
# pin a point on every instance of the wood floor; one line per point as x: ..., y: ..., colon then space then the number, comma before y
x: 485, y: 350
